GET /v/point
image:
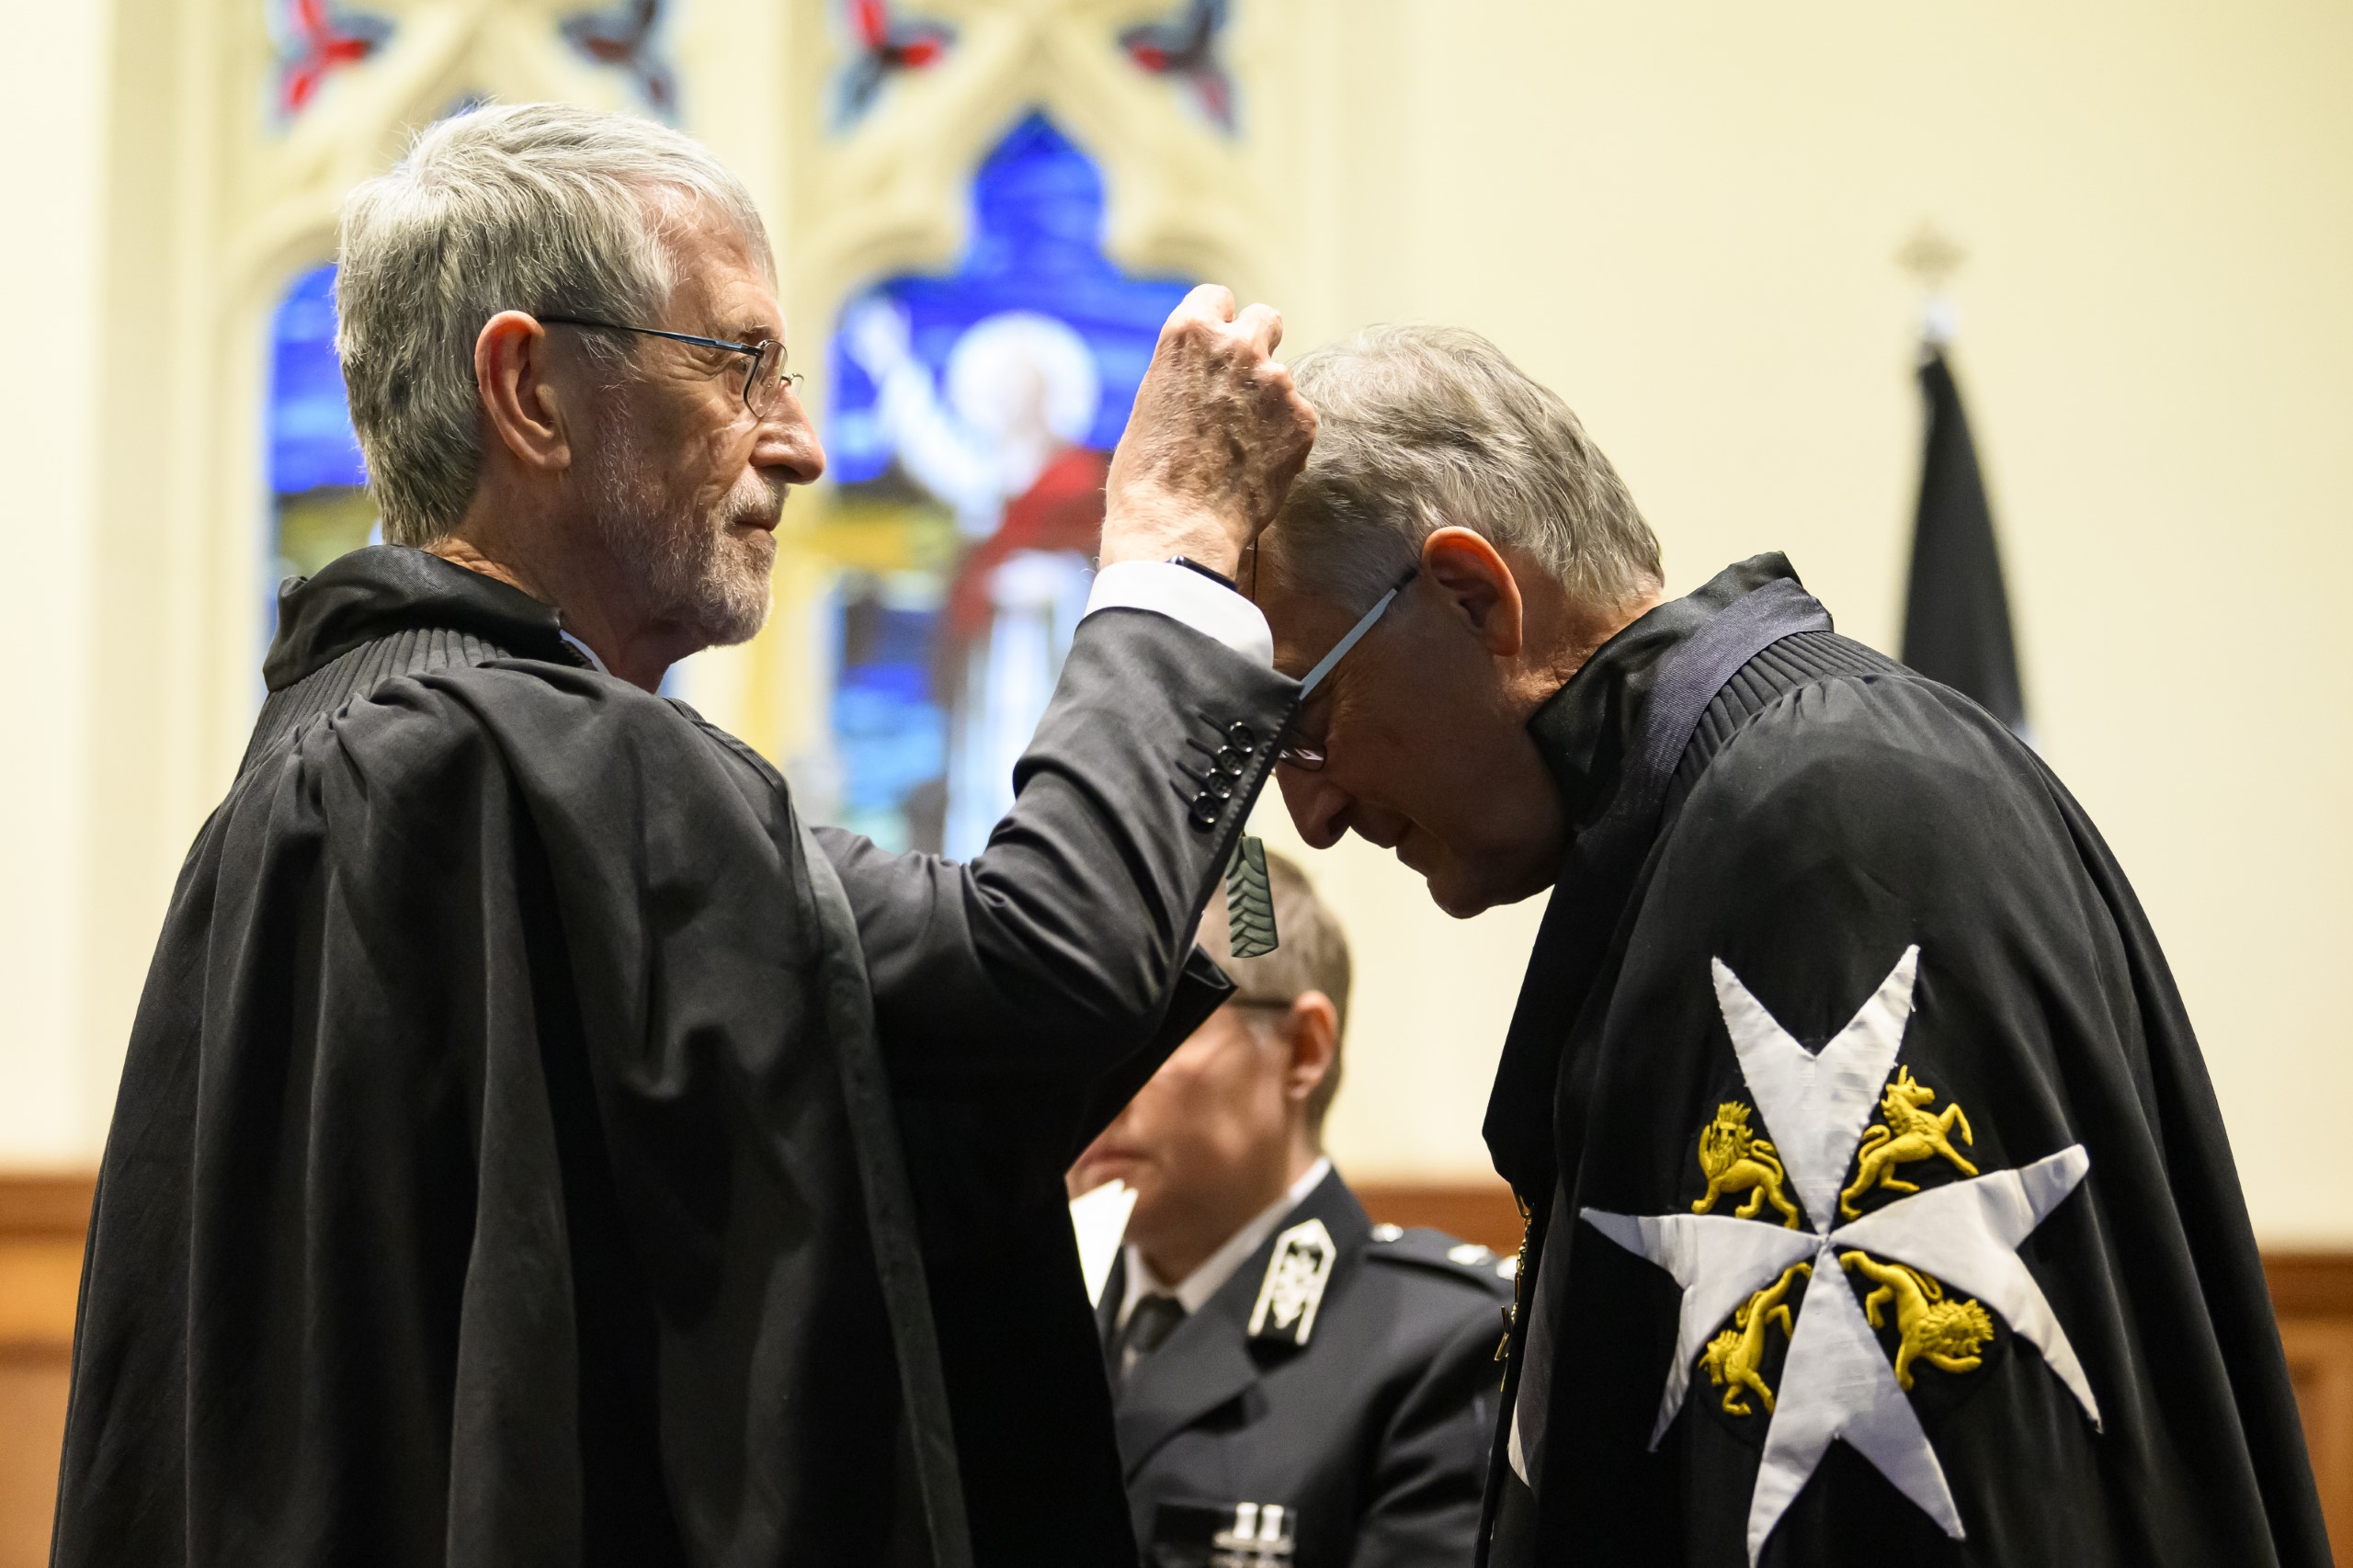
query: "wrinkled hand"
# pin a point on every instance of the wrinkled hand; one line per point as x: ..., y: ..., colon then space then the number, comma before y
x: 1217, y: 436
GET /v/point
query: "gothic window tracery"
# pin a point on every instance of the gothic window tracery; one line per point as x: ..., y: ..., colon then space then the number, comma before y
x: 1028, y: 183
x: 882, y: 44
x: 314, y: 39
x: 627, y: 37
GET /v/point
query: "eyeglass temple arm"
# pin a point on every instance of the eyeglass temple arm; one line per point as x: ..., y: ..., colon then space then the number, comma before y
x: 1314, y: 677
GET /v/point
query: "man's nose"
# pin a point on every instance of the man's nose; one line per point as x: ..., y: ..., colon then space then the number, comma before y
x: 1317, y: 806
x: 788, y: 441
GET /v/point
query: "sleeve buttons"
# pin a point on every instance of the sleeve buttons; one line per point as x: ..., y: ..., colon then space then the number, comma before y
x: 1242, y: 737
x: 1231, y: 762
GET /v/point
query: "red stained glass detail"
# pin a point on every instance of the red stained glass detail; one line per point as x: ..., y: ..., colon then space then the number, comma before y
x: 316, y: 39
x: 1185, y: 46
x: 882, y: 46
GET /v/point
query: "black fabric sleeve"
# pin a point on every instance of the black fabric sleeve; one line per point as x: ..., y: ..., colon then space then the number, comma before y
x: 1020, y: 1000
x: 1054, y: 954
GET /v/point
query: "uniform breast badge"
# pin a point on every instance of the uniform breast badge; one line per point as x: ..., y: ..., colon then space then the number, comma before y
x: 1293, y: 1288
x: 1908, y: 1134
x: 1234, y: 1535
x: 1262, y: 1536
x: 1734, y: 1359
x: 1735, y: 1159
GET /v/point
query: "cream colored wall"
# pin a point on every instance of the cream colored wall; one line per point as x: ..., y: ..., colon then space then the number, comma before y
x: 1681, y: 215
x: 53, y: 119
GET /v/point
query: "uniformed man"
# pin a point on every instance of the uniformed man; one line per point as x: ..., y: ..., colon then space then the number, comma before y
x: 1296, y: 1387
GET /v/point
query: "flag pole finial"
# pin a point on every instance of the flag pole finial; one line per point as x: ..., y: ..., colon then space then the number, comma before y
x: 1932, y: 256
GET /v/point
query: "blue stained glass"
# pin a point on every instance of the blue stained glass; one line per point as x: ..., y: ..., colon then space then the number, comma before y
x: 1037, y: 238
x: 970, y: 416
x: 311, y: 443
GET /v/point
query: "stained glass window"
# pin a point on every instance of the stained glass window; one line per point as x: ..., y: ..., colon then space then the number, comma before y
x: 319, y: 504
x: 973, y: 418
x: 316, y: 39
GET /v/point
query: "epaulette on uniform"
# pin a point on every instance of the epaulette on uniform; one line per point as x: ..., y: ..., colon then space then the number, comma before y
x: 1435, y: 1250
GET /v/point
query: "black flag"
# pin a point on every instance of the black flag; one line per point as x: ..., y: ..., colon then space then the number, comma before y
x: 1956, y: 618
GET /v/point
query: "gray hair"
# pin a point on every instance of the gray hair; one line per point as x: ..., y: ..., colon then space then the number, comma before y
x: 1424, y: 427
x: 532, y: 207
x: 1312, y: 955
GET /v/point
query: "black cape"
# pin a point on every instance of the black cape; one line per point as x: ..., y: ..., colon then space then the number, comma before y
x: 508, y: 1169
x: 1831, y: 812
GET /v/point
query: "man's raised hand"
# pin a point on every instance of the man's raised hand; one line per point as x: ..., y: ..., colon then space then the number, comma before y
x: 1217, y: 436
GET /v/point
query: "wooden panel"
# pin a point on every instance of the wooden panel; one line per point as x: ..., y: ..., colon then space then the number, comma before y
x: 2320, y: 1361
x: 1480, y: 1211
x: 33, y: 1429
x: 42, y: 1222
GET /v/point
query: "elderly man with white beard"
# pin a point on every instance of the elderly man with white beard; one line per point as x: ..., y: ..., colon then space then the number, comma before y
x: 536, y: 1145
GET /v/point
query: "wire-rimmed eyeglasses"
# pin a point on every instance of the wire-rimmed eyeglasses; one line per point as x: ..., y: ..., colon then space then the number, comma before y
x: 763, y: 380
x: 1294, y: 747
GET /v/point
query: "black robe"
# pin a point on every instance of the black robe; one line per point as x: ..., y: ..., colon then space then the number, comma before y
x: 1847, y: 855
x: 507, y: 1167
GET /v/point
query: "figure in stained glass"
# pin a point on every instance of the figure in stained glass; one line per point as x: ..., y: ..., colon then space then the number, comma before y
x: 973, y: 417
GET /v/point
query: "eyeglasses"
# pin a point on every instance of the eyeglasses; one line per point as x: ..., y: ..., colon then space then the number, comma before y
x: 1295, y: 747
x: 766, y: 377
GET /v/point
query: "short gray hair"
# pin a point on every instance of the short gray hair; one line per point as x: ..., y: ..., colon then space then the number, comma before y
x: 1311, y: 954
x: 1424, y: 427
x: 532, y: 207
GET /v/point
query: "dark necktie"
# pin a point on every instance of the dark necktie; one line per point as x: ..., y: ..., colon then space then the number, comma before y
x: 1149, y: 1322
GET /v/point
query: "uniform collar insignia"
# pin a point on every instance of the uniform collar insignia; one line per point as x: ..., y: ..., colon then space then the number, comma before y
x: 1837, y: 1382
x: 1293, y: 1288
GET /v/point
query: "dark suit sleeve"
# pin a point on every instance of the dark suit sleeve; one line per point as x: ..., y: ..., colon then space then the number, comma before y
x: 1019, y: 1000
x: 1430, y: 1474
x: 1055, y: 953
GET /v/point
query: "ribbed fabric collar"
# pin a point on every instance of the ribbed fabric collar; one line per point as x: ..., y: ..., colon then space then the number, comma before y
x: 385, y: 588
x: 1583, y: 728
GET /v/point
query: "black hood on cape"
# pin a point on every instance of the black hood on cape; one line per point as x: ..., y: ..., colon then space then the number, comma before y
x: 373, y: 593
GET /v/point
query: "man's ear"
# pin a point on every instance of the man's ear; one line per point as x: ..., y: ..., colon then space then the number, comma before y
x: 1313, y: 1028
x: 519, y: 399
x: 1465, y: 568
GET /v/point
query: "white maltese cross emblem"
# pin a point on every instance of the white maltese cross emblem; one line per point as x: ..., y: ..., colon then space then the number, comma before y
x: 1836, y: 1383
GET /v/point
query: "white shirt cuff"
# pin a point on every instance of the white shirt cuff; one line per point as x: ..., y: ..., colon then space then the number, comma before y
x: 1182, y: 594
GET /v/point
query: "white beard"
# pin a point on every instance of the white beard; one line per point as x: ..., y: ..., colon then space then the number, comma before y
x: 705, y: 574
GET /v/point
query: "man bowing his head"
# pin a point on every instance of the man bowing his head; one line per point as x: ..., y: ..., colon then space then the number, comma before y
x: 1879, y: 1205
x: 536, y: 1144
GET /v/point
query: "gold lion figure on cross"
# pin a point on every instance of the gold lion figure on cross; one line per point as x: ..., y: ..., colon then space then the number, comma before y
x: 1908, y: 1134
x: 1733, y: 1357
x: 1941, y: 1332
x: 1735, y: 1159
